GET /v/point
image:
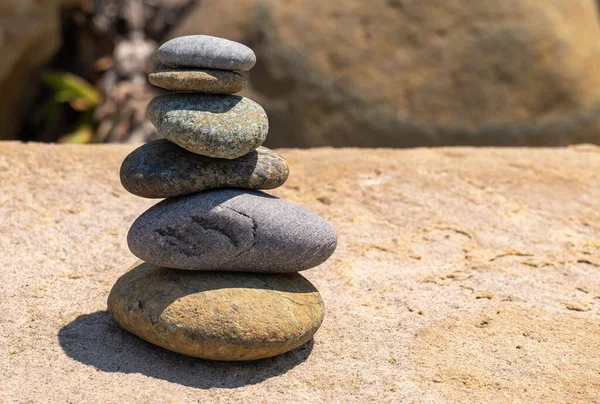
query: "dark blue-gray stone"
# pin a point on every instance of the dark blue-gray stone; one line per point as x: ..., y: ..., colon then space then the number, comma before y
x: 207, y: 52
x: 231, y: 230
x: 161, y: 169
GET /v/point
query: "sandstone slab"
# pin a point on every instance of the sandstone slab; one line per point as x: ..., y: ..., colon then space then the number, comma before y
x: 231, y: 230
x: 220, y: 126
x: 203, y: 81
x: 461, y: 275
x: 161, y: 169
x: 204, y: 51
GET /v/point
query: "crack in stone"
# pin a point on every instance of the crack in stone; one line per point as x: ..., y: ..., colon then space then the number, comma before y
x: 292, y: 300
x: 272, y: 289
x: 254, y: 230
x: 185, y: 240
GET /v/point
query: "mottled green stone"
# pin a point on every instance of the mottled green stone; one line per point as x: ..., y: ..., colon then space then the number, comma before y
x: 161, y: 169
x: 221, y: 126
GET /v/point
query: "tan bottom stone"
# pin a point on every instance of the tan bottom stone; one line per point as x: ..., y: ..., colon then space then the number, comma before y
x: 216, y: 315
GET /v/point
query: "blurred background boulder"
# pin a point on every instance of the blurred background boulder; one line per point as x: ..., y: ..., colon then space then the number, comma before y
x: 396, y: 73
x: 29, y: 37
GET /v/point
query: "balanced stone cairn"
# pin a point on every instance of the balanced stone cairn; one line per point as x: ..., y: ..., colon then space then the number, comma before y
x: 219, y: 272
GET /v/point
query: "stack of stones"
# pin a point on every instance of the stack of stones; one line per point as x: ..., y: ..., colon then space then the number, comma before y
x: 219, y: 272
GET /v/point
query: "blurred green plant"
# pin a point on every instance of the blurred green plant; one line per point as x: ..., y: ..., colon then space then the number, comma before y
x: 80, y: 95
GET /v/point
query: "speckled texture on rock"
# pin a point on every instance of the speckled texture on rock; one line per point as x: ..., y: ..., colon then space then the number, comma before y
x: 231, y: 230
x: 461, y: 275
x: 207, y: 52
x: 204, y: 81
x: 161, y: 169
x: 221, y: 126
x: 217, y: 315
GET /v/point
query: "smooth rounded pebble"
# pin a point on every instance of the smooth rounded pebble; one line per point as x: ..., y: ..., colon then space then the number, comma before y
x: 203, y: 81
x: 221, y: 126
x: 217, y: 315
x: 161, y: 169
x: 206, y: 52
x: 231, y: 230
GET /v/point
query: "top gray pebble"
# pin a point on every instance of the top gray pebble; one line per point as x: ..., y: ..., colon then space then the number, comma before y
x: 206, y: 52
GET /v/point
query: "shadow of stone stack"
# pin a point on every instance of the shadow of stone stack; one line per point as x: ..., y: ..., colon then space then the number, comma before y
x: 220, y: 259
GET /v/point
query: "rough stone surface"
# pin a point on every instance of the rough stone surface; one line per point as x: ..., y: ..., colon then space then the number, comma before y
x: 221, y: 126
x: 231, y: 230
x: 204, y: 51
x: 418, y: 73
x: 161, y: 169
x: 217, y: 315
x: 204, y: 81
x: 461, y: 275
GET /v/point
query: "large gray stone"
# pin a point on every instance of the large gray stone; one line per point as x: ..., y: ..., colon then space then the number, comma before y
x: 161, y: 169
x: 221, y: 126
x: 206, y: 51
x: 231, y: 230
